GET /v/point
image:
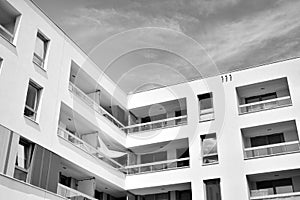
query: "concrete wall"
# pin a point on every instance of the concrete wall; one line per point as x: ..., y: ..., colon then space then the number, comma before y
x: 232, y: 168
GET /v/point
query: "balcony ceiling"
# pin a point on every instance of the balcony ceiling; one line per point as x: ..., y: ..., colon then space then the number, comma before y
x: 161, y: 189
x: 161, y: 108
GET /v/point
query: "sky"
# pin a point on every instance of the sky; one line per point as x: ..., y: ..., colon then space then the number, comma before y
x: 146, y: 44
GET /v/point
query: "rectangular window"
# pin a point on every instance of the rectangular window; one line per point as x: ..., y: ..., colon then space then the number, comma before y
x: 263, y: 97
x: 179, y: 113
x: 23, y: 159
x: 209, y: 149
x: 267, y: 139
x: 184, y: 195
x: 32, y: 100
x: 41, y: 45
x: 161, y: 196
x: 279, y: 186
x: 212, y: 189
x: 206, y: 109
x: 182, y: 153
x: 8, y: 20
x: 153, y: 157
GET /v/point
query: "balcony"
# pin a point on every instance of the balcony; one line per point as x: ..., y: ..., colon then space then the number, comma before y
x: 270, y: 139
x: 93, y: 105
x: 79, y: 132
x: 158, y: 157
x: 264, y: 96
x: 159, y: 124
x: 158, y: 166
x: 84, y: 146
x: 11, y: 188
x: 264, y: 195
x: 70, y: 193
x: 8, y: 21
x: 281, y: 185
x: 265, y: 105
x: 180, y: 191
x: 274, y: 149
x: 157, y: 116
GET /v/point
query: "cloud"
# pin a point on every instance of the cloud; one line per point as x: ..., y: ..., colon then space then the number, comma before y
x: 267, y: 34
x: 241, y: 38
x: 102, y: 23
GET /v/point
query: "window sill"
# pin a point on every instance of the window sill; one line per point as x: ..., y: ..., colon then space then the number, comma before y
x: 31, y: 120
x: 39, y: 66
x: 208, y: 164
x: 8, y: 41
x: 206, y: 120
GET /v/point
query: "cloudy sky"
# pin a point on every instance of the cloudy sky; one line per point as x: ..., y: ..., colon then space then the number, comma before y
x: 143, y: 44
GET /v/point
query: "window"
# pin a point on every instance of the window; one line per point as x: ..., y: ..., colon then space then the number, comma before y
x: 279, y: 186
x: 179, y: 113
x: 182, y: 153
x: 153, y: 157
x: 206, y: 107
x: 161, y: 196
x: 8, y: 20
x: 23, y: 159
x: 184, y: 195
x: 212, y: 189
x: 261, y: 98
x: 209, y: 149
x: 32, y: 100
x: 40, y: 51
x: 64, y: 180
x: 267, y: 139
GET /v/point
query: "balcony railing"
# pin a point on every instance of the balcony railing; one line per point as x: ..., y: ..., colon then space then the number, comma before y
x: 158, y: 166
x: 76, y: 141
x: 264, y: 194
x: 6, y: 34
x: 273, y: 149
x: 159, y: 124
x: 265, y: 105
x: 92, y: 104
x: 71, y: 193
x: 12, y: 188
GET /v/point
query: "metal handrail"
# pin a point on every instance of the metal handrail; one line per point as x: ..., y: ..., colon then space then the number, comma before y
x: 156, y: 166
x: 70, y: 192
x: 87, y: 147
x: 271, y: 145
x: 90, y: 102
x: 157, y: 163
x: 162, y: 122
x: 272, y: 149
x: 265, y: 101
x: 276, y: 196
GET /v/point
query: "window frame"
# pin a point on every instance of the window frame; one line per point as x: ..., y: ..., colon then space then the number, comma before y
x: 34, y: 110
x: 7, y: 34
x: 207, y: 111
x: 207, y: 136
x: 216, y: 182
x: 28, y: 154
x: 36, y: 57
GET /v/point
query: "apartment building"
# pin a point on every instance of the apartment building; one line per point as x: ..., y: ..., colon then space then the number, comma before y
x: 69, y: 132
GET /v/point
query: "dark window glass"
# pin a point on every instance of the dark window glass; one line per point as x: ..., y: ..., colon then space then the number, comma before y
x: 213, y: 191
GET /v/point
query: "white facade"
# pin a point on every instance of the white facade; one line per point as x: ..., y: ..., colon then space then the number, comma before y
x: 69, y: 121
